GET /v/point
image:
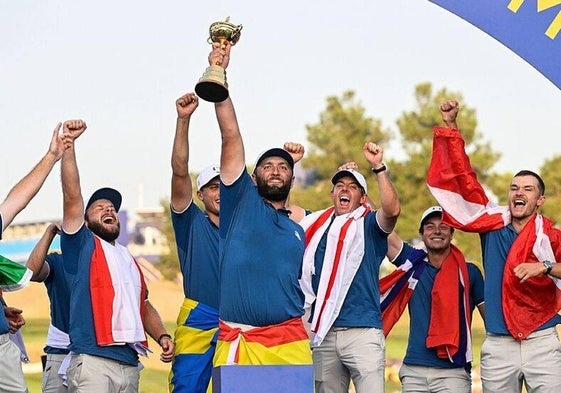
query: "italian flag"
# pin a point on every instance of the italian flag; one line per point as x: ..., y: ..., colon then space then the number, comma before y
x: 13, y: 276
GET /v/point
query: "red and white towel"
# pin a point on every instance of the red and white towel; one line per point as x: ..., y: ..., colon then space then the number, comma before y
x: 343, y: 255
x: 118, y: 293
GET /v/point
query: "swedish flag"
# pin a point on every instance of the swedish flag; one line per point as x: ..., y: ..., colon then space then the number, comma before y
x: 530, y: 28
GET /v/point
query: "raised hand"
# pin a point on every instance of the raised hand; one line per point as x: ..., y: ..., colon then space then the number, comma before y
x: 373, y: 154
x: 186, y: 105
x: 449, y: 112
x: 296, y: 150
x: 59, y: 143
x: 74, y: 128
x: 348, y: 165
x: 220, y: 54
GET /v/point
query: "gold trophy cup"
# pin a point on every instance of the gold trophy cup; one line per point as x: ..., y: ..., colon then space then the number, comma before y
x: 212, y: 86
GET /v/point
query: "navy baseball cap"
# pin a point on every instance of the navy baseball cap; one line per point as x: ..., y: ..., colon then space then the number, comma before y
x: 275, y: 152
x: 108, y: 193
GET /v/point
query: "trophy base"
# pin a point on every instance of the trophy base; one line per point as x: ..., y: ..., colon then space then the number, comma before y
x: 211, y: 91
x: 212, y: 86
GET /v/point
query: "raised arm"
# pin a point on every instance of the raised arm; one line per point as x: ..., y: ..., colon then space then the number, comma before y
x: 181, y: 186
x: 296, y: 150
x: 453, y: 181
x: 22, y: 193
x: 389, y: 208
x: 73, y: 203
x: 36, y: 260
x: 449, y: 112
x: 232, y: 157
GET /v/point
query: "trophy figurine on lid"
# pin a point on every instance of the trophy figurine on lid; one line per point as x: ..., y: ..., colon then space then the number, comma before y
x: 213, y: 86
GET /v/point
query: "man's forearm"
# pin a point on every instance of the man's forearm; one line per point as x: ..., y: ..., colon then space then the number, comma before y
x: 22, y: 193
x: 232, y: 159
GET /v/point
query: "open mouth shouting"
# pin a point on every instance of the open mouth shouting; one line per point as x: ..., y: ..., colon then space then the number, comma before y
x: 344, y: 200
x: 108, y: 219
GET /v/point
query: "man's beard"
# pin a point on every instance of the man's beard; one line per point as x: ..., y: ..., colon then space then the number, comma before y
x: 106, y: 234
x: 272, y: 193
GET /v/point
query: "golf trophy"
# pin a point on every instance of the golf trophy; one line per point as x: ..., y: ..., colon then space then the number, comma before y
x: 212, y: 86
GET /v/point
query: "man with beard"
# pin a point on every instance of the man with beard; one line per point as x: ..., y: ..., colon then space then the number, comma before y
x: 261, y: 249
x: 521, y: 254
x: 11, y: 373
x: 441, y: 291
x: 109, y: 308
x: 345, y: 246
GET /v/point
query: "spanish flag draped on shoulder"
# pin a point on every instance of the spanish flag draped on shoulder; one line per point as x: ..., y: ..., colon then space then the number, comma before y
x: 530, y: 28
x: 13, y: 276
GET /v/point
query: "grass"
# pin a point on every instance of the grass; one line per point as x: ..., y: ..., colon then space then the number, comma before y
x: 151, y: 381
x: 167, y: 298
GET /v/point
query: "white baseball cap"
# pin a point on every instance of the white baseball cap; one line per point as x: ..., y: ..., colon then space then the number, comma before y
x: 431, y: 211
x: 350, y: 173
x: 206, y: 175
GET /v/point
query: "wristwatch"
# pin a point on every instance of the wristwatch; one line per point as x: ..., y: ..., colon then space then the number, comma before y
x: 378, y: 170
x: 548, y: 266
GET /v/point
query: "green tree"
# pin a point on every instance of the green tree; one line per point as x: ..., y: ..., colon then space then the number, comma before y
x: 551, y: 176
x: 409, y: 175
x: 498, y: 187
x: 169, y: 262
x: 343, y: 128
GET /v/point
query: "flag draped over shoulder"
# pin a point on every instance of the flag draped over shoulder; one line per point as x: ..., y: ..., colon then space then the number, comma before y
x: 450, y: 320
x: 530, y: 28
x: 539, y: 298
x: 453, y: 183
x: 452, y: 341
x: 344, y: 251
x: 13, y: 276
x: 117, y: 296
x: 397, y: 287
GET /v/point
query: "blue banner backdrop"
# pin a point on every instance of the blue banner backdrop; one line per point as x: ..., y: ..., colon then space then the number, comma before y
x: 530, y: 28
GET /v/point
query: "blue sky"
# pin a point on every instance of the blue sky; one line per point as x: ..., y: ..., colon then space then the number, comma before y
x: 120, y: 65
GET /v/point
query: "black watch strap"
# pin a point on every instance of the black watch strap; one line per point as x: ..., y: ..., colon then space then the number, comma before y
x: 381, y: 169
x: 548, y: 266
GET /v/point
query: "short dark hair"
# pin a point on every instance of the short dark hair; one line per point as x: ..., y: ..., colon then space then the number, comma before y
x: 541, y: 184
